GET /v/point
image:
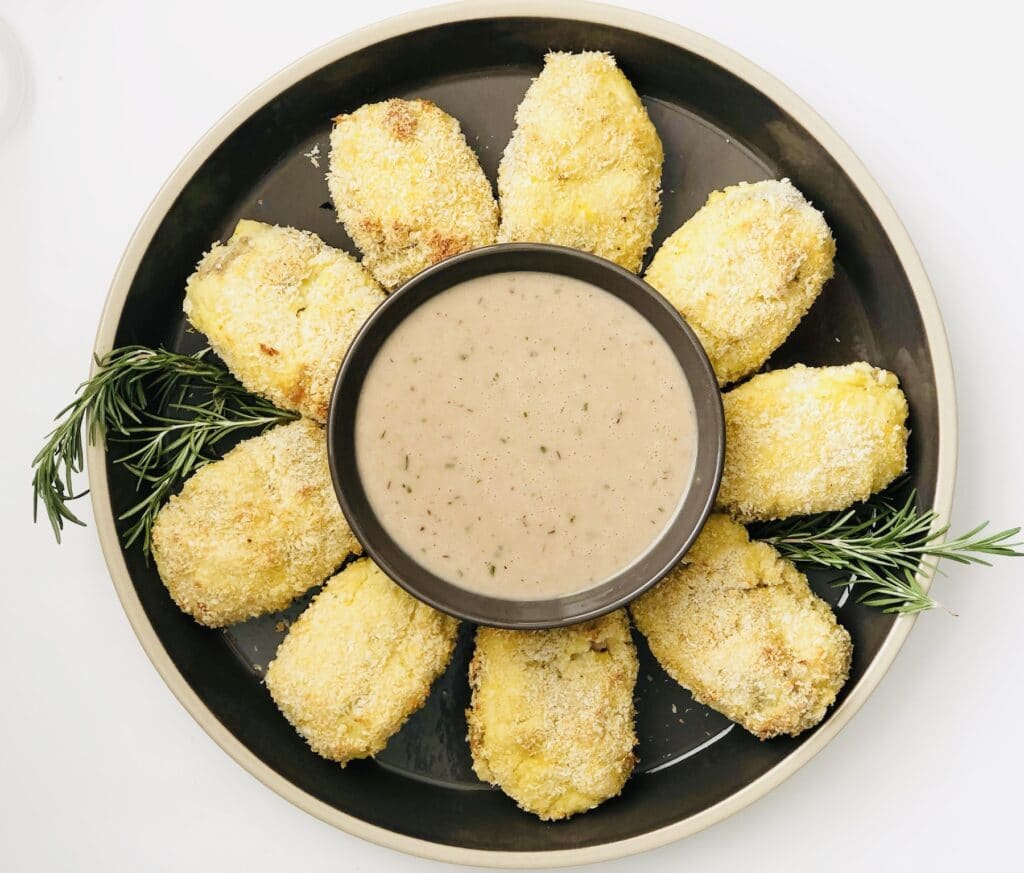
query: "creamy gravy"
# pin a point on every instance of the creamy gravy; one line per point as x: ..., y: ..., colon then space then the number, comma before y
x: 525, y: 435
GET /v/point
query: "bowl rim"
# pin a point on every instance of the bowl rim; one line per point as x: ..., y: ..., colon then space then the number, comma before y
x: 665, y: 551
x: 688, y: 40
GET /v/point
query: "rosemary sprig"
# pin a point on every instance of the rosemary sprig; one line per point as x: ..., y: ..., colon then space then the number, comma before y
x: 899, y: 592
x: 171, y: 411
x: 879, y: 547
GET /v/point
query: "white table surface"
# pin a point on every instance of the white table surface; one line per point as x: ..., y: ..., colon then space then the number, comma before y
x: 101, y: 768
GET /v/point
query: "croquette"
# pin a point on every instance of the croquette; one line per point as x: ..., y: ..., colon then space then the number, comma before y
x: 358, y: 662
x: 408, y: 188
x: 551, y: 718
x: 744, y: 270
x: 280, y: 308
x: 252, y: 531
x: 739, y: 627
x: 583, y: 167
x: 811, y: 439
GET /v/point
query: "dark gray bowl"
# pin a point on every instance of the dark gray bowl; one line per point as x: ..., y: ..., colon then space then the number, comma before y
x: 527, y: 614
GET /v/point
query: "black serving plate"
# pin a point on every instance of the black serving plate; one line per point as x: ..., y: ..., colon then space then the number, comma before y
x: 721, y: 121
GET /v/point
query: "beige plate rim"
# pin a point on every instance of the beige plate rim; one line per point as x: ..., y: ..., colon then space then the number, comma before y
x: 601, y: 14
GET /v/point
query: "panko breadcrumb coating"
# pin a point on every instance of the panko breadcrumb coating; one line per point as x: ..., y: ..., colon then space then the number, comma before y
x: 551, y: 719
x: 358, y: 662
x: 280, y: 308
x: 811, y: 439
x: 408, y: 187
x: 744, y: 270
x: 739, y: 627
x: 583, y: 167
x: 252, y: 531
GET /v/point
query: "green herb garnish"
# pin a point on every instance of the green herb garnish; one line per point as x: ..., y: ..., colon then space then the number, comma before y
x: 879, y: 546
x: 163, y: 449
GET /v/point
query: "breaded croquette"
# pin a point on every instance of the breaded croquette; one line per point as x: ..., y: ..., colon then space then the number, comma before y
x: 739, y: 627
x: 744, y: 270
x: 408, y: 188
x: 252, y: 531
x: 583, y: 167
x: 280, y: 308
x: 551, y: 719
x: 811, y: 439
x: 358, y: 662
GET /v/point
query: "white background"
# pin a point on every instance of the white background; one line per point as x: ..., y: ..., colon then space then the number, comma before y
x: 100, y: 767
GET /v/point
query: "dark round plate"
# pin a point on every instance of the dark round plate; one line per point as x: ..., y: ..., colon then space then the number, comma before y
x: 721, y: 121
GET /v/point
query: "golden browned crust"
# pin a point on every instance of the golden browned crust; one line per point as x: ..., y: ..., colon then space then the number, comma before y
x: 252, y: 531
x: 400, y: 120
x: 811, y: 439
x: 741, y: 629
x: 408, y: 187
x: 551, y: 720
x: 358, y: 662
x: 280, y: 308
x: 744, y: 270
x: 583, y: 167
